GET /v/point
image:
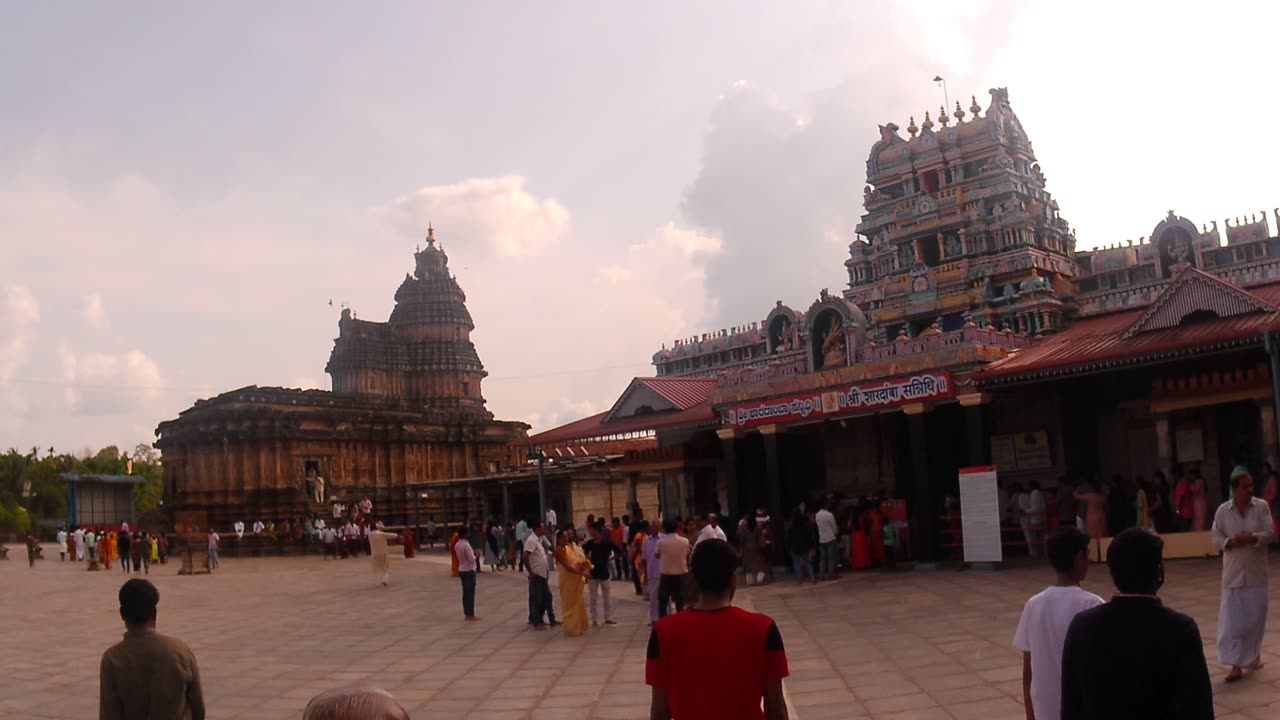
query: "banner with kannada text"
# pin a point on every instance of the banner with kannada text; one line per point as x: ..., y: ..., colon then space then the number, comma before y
x: 840, y: 401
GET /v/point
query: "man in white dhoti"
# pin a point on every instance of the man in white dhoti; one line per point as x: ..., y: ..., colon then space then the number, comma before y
x: 1242, y: 529
x: 381, y: 555
x: 79, y: 543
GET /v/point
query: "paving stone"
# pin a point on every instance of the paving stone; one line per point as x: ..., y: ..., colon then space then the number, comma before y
x: 270, y: 633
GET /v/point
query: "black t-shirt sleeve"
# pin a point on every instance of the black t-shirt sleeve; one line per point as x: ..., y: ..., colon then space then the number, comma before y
x: 1193, y: 690
x: 1072, y: 683
x: 773, y: 639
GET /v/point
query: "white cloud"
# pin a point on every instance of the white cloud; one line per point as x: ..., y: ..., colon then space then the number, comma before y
x: 495, y: 213
x: 18, y: 316
x: 95, y: 313
x: 101, y: 384
x: 309, y: 382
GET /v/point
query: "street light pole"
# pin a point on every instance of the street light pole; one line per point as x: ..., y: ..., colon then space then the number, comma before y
x: 946, y: 101
x: 537, y: 454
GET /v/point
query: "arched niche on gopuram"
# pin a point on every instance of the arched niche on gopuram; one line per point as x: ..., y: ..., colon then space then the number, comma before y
x: 1174, y: 239
x: 835, y: 330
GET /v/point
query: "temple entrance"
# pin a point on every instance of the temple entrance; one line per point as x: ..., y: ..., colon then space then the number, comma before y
x: 1239, y: 439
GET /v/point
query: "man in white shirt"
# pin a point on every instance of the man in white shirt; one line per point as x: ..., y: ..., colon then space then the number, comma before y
x: 712, y: 531
x: 327, y: 537
x: 1242, y: 529
x: 78, y: 539
x: 381, y: 555
x: 1045, y: 618
x: 91, y: 542
x: 1032, y: 518
x: 62, y: 543
x: 467, y: 564
x: 239, y: 528
x: 535, y: 558
x: 258, y: 527
x: 828, y: 542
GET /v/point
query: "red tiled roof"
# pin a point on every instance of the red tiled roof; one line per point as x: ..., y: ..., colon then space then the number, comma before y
x: 683, y: 392
x: 597, y: 426
x: 1100, y: 342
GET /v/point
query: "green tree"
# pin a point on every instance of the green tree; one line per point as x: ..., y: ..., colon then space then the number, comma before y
x: 146, y: 462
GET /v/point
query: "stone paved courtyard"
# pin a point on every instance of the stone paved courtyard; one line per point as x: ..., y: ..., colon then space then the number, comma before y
x: 270, y: 633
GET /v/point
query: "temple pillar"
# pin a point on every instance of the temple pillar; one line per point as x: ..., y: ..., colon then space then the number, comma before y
x: 506, y: 501
x: 974, y: 415
x: 729, y: 470
x: 773, y: 477
x: 1164, y: 445
x: 1267, y: 418
x: 923, y: 532
x: 632, y: 505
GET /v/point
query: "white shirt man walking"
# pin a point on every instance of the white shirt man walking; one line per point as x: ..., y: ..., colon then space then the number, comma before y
x: 828, y: 543
x: 239, y: 528
x: 1242, y: 529
x: 712, y: 531
x: 381, y: 555
x: 535, y: 558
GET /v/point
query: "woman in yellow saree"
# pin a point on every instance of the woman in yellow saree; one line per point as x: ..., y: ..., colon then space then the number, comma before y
x: 573, y: 568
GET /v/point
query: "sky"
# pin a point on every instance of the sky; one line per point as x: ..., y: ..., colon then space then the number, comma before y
x: 185, y: 188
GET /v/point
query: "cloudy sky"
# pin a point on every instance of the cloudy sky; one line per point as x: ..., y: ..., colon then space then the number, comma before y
x: 184, y: 188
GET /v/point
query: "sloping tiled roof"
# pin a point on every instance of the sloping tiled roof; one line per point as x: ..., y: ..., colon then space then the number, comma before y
x: 683, y: 392
x: 1192, y: 291
x: 1102, y: 342
x: 597, y: 426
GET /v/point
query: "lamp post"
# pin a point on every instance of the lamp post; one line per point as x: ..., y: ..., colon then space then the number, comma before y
x: 537, y: 454
x: 946, y: 101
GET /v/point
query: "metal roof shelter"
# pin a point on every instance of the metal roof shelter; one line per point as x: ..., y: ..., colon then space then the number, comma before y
x: 100, y: 499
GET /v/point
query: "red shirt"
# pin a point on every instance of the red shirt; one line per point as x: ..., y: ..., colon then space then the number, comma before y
x: 715, y: 663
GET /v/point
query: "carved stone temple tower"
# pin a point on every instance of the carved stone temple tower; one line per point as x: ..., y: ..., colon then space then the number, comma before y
x: 423, y: 354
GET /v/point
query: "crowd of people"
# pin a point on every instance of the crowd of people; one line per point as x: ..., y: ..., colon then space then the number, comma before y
x: 1084, y: 657
x: 103, y: 546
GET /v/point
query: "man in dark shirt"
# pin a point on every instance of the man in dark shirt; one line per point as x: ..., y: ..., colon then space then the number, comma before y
x: 598, y: 550
x: 147, y: 675
x: 1133, y: 658
x: 715, y: 660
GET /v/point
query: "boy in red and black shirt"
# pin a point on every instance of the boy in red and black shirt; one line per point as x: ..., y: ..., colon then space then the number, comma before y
x: 715, y: 660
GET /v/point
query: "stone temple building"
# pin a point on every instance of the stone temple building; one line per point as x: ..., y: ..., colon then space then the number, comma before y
x: 406, y: 410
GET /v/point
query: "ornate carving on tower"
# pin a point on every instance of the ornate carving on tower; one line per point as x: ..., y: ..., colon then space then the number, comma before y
x: 423, y: 353
x: 969, y: 213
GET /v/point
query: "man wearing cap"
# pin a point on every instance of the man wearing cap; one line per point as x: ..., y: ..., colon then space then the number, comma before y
x: 147, y: 675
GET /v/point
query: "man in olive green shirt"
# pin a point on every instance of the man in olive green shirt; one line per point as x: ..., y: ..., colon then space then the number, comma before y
x: 148, y: 676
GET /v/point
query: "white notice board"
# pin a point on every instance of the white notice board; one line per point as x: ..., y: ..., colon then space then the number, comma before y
x: 980, y: 514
